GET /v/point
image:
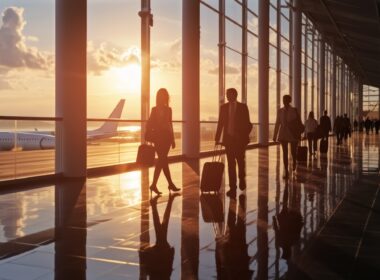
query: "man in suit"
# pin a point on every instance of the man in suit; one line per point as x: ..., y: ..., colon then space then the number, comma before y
x: 325, y: 124
x: 235, y: 124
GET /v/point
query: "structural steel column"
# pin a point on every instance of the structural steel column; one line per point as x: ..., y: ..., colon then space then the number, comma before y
x: 322, y: 77
x: 360, y: 105
x: 70, y: 84
x: 244, y: 57
x: 297, y: 40
x: 305, y: 84
x: 333, y: 92
x: 222, y: 51
x: 146, y: 22
x: 278, y: 56
x: 342, y: 89
x: 190, y: 77
x: 312, y: 71
x: 263, y: 72
x: 291, y: 48
x: 318, y: 74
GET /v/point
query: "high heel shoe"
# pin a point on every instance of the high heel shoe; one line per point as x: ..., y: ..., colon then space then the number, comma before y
x: 173, y: 188
x: 153, y: 188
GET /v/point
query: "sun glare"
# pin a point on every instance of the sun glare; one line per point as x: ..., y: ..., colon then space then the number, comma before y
x: 127, y: 79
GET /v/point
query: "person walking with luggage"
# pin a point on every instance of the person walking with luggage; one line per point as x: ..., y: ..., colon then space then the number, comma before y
x: 235, y: 125
x: 310, y: 132
x: 284, y: 132
x: 325, y: 125
x: 160, y: 132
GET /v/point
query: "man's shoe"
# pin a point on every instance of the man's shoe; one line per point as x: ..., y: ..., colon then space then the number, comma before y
x: 231, y: 193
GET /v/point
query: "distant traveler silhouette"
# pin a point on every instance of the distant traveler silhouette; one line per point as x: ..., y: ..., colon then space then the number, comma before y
x: 157, y: 260
x: 338, y: 129
x: 285, y: 116
x: 235, y: 124
x: 346, y: 127
x: 377, y: 126
x: 356, y: 125
x: 160, y: 131
x: 367, y: 124
x: 310, y: 130
x: 325, y: 124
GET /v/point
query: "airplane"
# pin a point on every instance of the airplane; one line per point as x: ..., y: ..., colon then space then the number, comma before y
x: 28, y: 141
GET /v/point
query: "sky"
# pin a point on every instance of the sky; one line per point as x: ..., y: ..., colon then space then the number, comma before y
x: 113, y: 61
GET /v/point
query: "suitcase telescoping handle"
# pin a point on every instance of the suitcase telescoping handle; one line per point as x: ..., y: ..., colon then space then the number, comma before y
x: 217, y: 156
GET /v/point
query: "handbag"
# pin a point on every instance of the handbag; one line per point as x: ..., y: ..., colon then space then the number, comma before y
x: 145, y: 155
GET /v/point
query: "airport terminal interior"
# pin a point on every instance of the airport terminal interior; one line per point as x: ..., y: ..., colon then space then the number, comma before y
x: 78, y: 195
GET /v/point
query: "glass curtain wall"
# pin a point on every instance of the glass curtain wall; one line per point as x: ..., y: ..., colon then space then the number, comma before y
x: 27, y: 88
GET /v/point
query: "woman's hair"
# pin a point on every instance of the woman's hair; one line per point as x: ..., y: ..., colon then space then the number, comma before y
x: 286, y: 99
x: 311, y: 115
x: 162, y: 97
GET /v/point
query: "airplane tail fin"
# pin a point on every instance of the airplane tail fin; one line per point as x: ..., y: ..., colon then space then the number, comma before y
x: 110, y: 127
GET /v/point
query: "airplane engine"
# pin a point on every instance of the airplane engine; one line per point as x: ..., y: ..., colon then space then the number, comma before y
x: 6, y: 146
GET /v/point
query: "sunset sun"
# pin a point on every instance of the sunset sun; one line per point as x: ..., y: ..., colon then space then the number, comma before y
x: 127, y: 78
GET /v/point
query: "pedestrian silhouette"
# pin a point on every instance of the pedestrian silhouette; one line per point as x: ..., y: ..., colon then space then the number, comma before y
x: 235, y: 125
x: 284, y: 132
x: 159, y: 130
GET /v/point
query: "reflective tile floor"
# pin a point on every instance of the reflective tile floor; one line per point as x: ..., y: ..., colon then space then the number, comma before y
x: 323, y: 223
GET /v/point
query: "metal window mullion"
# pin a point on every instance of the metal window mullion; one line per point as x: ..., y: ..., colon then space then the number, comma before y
x: 244, y: 64
x: 222, y: 52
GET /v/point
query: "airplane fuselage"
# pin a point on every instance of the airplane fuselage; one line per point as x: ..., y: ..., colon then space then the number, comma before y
x: 26, y: 141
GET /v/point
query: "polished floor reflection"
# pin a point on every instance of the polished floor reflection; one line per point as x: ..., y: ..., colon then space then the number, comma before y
x: 110, y: 228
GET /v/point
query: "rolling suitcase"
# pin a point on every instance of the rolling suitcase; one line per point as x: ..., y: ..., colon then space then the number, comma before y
x: 145, y: 155
x: 212, y: 174
x: 212, y: 208
x: 301, y: 153
x: 323, y: 146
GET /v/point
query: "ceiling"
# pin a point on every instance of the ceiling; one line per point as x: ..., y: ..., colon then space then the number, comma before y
x: 352, y: 28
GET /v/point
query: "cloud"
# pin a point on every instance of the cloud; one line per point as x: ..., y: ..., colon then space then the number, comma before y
x: 14, y: 52
x: 230, y: 69
x: 104, y: 56
x: 4, y: 85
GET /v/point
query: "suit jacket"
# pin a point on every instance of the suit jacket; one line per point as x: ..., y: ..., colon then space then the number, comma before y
x: 242, y: 124
x: 281, y: 129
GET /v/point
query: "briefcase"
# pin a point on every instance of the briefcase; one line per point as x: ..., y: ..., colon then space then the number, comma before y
x: 323, y: 146
x: 212, y: 175
x: 145, y: 155
x: 301, y: 153
x: 212, y: 208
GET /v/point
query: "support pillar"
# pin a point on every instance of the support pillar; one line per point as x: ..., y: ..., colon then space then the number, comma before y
x: 342, y: 89
x: 278, y: 56
x: 146, y: 22
x: 333, y: 92
x: 70, y: 84
x: 190, y: 77
x: 244, y: 62
x: 297, y: 40
x: 360, y: 105
x: 263, y: 72
x: 222, y: 51
x: 312, y: 73
x: 305, y: 84
x: 322, y: 78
